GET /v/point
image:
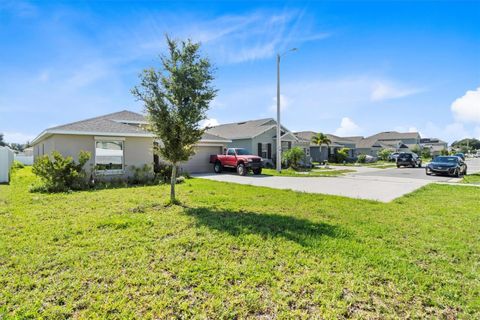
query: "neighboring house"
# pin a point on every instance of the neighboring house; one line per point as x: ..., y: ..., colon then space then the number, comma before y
x: 118, y: 142
x: 435, y: 145
x: 257, y: 136
x: 391, y: 140
x: 321, y: 153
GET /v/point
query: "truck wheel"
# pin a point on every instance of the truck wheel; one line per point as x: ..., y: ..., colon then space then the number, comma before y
x: 241, y: 170
x: 257, y: 171
x: 217, y: 167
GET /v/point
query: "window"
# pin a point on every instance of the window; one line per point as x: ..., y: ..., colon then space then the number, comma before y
x: 307, y: 151
x: 109, y: 155
x: 231, y: 152
x: 264, y: 150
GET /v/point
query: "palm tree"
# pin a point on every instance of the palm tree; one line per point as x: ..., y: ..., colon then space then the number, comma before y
x: 320, y: 139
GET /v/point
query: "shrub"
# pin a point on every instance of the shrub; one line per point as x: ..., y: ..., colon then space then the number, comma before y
x: 384, y: 154
x: 416, y: 149
x: 444, y: 152
x: 142, y: 175
x: 180, y: 179
x: 60, y: 174
x: 293, y: 157
x: 426, y: 153
x: 342, y: 155
x: 17, y: 165
x: 362, y: 158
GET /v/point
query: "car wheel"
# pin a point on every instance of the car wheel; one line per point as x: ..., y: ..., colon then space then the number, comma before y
x: 257, y: 171
x: 241, y: 170
x: 428, y: 172
x: 217, y: 167
x: 457, y: 173
x: 465, y: 172
x: 420, y: 165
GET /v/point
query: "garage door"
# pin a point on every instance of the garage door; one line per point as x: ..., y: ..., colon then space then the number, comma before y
x: 200, y: 162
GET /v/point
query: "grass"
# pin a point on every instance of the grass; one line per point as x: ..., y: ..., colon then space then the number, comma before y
x: 236, y: 251
x: 472, y: 178
x: 321, y: 172
x: 377, y: 165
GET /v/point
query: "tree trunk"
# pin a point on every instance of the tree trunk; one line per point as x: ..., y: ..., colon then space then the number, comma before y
x: 173, y: 181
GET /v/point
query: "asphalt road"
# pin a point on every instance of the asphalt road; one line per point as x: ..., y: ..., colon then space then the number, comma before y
x: 417, y: 173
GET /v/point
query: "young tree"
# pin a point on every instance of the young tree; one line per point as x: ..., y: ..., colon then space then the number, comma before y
x: 176, y: 99
x: 293, y: 157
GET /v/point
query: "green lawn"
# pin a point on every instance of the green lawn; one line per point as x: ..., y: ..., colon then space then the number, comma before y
x: 310, y: 173
x: 378, y: 164
x: 236, y: 251
x: 472, y: 178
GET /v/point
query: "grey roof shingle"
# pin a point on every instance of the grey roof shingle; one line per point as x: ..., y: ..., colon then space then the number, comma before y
x: 244, y: 129
x: 123, y: 122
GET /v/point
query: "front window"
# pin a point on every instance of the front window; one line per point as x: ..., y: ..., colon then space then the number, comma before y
x: 242, y: 152
x: 264, y: 150
x: 109, y: 155
x: 446, y: 159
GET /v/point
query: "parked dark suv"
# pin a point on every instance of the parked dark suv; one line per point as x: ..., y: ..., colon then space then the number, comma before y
x: 406, y: 159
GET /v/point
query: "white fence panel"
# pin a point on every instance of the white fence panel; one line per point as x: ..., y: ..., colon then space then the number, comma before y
x: 6, y: 161
x: 26, y: 160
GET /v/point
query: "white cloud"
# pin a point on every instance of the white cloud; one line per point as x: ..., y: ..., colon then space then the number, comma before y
x: 456, y: 131
x: 467, y: 108
x: 348, y: 128
x: 284, y: 103
x: 231, y: 38
x: 17, y: 137
x: 385, y: 91
x: 209, y: 123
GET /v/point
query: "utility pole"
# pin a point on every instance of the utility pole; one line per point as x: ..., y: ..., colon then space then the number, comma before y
x: 279, y: 126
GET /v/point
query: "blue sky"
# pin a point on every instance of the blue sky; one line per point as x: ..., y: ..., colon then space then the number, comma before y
x: 361, y: 67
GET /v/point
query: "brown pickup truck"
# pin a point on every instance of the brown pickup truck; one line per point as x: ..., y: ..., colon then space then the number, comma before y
x: 237, y: 158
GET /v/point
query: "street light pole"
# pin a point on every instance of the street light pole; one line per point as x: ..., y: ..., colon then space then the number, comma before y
x: 279, y: 131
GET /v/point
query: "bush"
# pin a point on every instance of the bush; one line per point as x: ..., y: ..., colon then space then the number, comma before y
x: 362, y: 158
x: 180, y: 179
x: 17, y: 165
x: 416, y: 149
x: 342, y: 155
x: 293, y: 157
x: 60, y: 174
x: 426, y: 153
x: 444, y: 152
x: 142, y: 175
x: 384, y: 154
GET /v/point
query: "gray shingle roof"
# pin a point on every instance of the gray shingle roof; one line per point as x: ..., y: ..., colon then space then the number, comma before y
x: 243, y: 129
x: 119, y: 123
x: 109, y: 123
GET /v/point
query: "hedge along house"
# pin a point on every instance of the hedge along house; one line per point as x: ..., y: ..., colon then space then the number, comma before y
x: 118, y: 143
x: 257, y: 136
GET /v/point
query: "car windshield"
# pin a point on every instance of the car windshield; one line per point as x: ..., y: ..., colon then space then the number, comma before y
x: 446, y: 159
x: 405, y: 155
x: 242, y: 152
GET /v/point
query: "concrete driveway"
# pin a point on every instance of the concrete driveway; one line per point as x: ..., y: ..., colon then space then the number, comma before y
x: 373, y: 184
